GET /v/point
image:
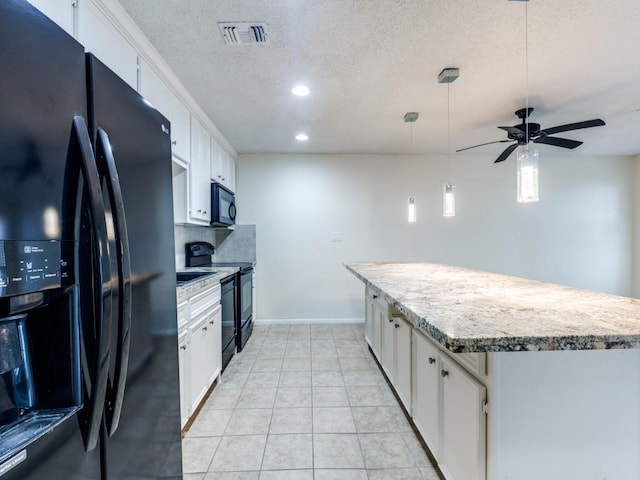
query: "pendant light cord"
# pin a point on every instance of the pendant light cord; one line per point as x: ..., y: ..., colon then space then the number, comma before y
x: 448, y: 135
x: 411, y: 139
x: 526, y: 61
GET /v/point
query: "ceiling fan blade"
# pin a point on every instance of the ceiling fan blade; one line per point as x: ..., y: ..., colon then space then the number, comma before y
x: 503, y: 156
x: 483, y: 144
x: 515, y: 131
x: 558, y: 142
x: 596, y: 122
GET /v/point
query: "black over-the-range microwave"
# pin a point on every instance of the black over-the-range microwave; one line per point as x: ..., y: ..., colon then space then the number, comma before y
x: 223, y: 206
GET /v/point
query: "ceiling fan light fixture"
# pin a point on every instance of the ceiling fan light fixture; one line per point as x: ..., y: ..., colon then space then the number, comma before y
x: 527, y: 174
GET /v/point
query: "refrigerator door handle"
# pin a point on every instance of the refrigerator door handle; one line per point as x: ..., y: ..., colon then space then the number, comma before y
x: 91, y: 419
x: 116, y: 387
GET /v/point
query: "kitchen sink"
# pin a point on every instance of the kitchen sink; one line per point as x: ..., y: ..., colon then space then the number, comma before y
x: 183, y: 277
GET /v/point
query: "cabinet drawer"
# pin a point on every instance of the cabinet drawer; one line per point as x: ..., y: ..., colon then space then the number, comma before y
x: 202, y: 301
x: 474, y: 362
x: 183, y: 315
x: 380, y: 302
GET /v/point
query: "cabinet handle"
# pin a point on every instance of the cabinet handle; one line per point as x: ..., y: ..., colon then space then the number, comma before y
x: 204, y: 211
x: 432, y: 360
x: 199, y: 210
x: 375, y: 296
x: 183, y: 347
x: 444, y: 373
x: 211, y: 322
x: 205, y: 328
x: 174, y: 142
x: 391, y: 320
x: 397, y: 325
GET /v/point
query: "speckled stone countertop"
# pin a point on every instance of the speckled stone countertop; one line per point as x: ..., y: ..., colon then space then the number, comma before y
x: 217, y: 274
x: 472, y: 311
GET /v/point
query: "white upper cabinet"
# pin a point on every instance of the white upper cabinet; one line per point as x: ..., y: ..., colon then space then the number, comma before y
x: 180, y: 128
x: 223, y: 167
x: 156, y: 91
x: 199, y: 183
x: 100, y: 37
x: 60, y: 11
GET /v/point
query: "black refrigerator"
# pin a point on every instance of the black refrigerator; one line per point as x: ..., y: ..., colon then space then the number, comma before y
x: 89, y: 385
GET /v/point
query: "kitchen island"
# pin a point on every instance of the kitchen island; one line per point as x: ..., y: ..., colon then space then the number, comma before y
x: 509, y: 378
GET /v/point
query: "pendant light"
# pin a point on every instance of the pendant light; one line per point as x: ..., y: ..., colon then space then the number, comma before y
x: 448, y: 76
x: 527, y: 157
x: 411, y: 118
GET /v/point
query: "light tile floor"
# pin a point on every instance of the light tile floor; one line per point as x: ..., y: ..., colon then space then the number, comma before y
x: 303, y: 402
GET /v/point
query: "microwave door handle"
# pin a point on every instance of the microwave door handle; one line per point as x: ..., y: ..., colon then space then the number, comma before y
x: 92, y: 418
x: 232, y: 211
x: 115, y: 390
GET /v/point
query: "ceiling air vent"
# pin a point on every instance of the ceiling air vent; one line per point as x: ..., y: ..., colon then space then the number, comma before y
x: 243, y: 33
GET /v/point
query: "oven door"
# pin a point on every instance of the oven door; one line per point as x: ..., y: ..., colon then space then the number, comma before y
x: 246, y: 295
x: 223, y: 206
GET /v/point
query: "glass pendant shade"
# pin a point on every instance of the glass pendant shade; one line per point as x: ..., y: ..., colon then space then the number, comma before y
x: 412, y: 210
x: 527, y: 175
x: 449, y: 201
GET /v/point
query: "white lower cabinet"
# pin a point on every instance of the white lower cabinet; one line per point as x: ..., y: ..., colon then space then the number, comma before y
x: 184, y: 357
x: 198, y: 331
x: 464, y: 424
x: 426, y: 392
x: 402, y: 359
x: 377, y: 315
x: 448, y: 410
x: 199, y: 347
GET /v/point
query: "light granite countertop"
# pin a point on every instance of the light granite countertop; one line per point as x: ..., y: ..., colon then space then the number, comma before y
x: 214, y: 276
x: 473, y: 311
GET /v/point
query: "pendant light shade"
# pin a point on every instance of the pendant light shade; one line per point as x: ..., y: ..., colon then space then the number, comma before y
x: 527, y: 174
x: 449, y: 201
x: 411, y: 214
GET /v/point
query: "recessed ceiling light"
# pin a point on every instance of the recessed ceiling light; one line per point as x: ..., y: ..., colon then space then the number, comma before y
x: 301, y: 137
x: 300, y: 91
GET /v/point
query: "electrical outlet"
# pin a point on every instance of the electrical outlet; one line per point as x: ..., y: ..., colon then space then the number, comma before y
x: 336, y: 236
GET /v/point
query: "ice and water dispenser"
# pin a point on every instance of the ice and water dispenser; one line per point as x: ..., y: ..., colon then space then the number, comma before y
x: 39, y: 344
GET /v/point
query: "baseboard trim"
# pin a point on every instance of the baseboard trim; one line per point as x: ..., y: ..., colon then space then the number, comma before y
x: 306, y: 321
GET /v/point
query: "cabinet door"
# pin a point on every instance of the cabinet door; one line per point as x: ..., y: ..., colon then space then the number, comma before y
x: 185, y: 367
x: 199, y: 184
x: 387, y: 354
x: 231, y: 178
x: 368, y: 318
x: 376, y: 330
x: 402, y: 350
x: 100, y: 37
x: 154, y: 90
x: 426, y: 404
x: 199, y: 374
x: 463, y: 424
x: 180, y: 128
x: 215, y: 342
x: 218, y: 163
x: 60, y: 11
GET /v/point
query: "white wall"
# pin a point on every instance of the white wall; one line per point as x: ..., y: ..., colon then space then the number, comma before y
x: 579, y: 234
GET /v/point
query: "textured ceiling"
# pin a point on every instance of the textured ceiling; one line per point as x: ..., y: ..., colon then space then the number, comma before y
x: 368, y: 62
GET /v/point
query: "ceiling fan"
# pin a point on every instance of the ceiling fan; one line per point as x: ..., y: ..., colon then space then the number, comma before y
x: 527, y: 132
